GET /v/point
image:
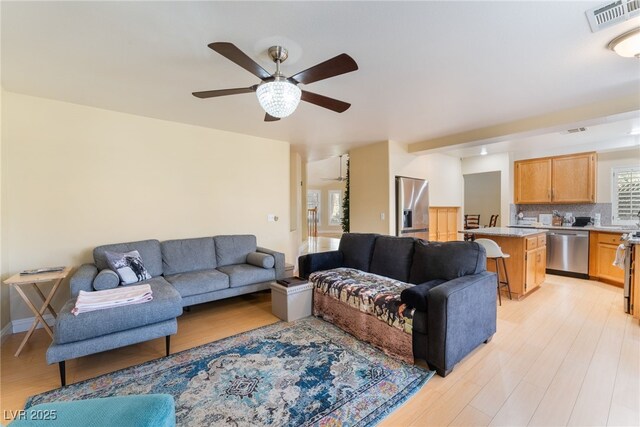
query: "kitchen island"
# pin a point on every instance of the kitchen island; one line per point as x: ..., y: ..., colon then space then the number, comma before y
x: 527, y: 262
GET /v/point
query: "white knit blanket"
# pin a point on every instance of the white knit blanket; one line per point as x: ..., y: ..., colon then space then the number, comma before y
x: 122, y: 295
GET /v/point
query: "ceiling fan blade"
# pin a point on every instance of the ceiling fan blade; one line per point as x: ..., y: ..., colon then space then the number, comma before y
x: 269, y: 118
x: 233, y: 54
x: 224, y: 92
x: 340, y: 64
x: 325, y: 101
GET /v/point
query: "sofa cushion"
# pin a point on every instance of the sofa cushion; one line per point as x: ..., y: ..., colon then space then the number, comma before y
x: 357, y: 249
x: 185, y: 255
x: 416, y: 296
x: 245, y: 274
x: 128, y: 265
x: 392, y: 257
x: 198, y: 282
x: 106, y: 279
x: 166, y: 305
x: 234, y: 249
x: 149, y: 252
x: 446, y: 260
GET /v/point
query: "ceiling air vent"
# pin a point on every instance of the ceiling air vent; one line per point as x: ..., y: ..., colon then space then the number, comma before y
x: 612, y: 13
x: 574, y: 130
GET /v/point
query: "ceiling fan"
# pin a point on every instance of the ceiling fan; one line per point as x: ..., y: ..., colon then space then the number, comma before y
x: 277, y: 94
x: 340, y: 178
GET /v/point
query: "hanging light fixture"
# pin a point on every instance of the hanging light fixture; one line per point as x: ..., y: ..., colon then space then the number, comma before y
x: 278, y: 97
x: 627, y: 44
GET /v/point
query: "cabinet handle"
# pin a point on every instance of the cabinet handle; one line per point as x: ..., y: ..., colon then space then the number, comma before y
x: 552, y: 194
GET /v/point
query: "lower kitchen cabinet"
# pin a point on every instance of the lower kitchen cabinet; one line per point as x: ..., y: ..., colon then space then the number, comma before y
x: 526, y: 264
x: 602, y: 253
x: 443, y: 224
x: 535, y: 261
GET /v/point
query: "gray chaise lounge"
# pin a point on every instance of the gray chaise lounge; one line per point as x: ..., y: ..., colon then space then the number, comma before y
x: 184, y: 272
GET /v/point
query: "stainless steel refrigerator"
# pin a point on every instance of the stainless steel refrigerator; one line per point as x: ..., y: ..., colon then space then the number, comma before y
x: 412, y: 207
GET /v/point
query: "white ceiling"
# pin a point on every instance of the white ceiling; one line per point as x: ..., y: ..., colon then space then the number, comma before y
x: 427, y: 69
x: 322, y: 172
x: 617, y: 135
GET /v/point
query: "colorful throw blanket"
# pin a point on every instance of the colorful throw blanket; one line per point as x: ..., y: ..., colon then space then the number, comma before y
x: 370, y: 293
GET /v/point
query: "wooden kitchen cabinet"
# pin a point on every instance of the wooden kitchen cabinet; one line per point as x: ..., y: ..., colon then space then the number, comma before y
x: 533, y: 181
x: 443, y: 224
x: 535, y: 262
x: 602, y: 252
x: 560, y: 179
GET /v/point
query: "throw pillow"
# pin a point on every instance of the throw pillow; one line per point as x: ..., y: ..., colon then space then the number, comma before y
x: 128, y: 265
x: 106, y: 279
x: 261, y: 260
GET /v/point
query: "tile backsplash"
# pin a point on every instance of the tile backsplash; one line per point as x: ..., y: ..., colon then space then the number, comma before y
x: 580, y: 209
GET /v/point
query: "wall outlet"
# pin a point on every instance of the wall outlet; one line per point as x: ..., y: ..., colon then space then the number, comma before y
x: 272, y: 218
x: 381, y: 216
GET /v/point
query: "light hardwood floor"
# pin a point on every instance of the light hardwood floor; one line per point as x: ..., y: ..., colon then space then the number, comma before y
x: 565, y: 355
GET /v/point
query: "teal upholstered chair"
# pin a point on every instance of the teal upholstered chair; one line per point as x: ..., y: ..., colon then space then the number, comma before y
x: 151, y: 410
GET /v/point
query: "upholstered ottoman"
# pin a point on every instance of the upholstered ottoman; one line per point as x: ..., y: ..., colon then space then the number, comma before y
x: 101, y: 330
x: 150, y: 410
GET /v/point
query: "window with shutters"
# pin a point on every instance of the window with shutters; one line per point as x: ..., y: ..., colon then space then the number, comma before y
x: 625, y: 196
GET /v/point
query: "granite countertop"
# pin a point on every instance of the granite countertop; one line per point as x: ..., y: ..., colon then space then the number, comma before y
x: 505, y: 231
x: 607, y: 229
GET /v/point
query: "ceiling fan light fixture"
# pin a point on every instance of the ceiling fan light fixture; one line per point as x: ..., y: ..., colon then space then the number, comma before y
x: 279, y: 97
x: 627, y: 44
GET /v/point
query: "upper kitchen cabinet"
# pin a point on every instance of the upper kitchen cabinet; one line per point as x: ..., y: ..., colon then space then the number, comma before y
x: 561, y: 179
x: 533, y: 181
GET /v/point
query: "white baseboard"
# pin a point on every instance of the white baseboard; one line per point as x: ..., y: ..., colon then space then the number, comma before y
x: 5, y: 332
x: 23, y: 325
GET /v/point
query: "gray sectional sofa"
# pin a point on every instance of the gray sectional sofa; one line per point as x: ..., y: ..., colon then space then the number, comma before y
x: 440, y: 291
x: 183, y: 272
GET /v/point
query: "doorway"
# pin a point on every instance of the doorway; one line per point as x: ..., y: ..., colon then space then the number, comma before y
x: 482, y: 196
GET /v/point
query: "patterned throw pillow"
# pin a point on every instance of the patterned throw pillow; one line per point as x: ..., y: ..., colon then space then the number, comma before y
x: 128, y: 265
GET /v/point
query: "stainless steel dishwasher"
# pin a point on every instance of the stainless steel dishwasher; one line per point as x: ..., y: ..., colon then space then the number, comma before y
x: 568, y: 252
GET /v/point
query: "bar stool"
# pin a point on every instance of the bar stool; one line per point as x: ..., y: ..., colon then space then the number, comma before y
x: 494, y: 252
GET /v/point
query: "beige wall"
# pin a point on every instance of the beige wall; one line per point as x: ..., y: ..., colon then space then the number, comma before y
x: 369, y: 192
x: 76, y: 177
x: 607, y: 161
x: 373, y: 171
x: 303, y: 201
x: 4, y: 290
x: 295, y: 206
x: 482, y: 196
x: 495, y: 163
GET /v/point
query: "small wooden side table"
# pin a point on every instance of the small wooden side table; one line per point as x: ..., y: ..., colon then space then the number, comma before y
x: 18, y: 280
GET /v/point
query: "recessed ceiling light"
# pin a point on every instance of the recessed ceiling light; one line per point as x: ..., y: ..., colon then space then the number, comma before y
x: 483, y: 152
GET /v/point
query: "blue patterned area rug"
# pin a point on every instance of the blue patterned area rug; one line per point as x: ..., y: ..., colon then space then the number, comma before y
x: 287, y: 374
